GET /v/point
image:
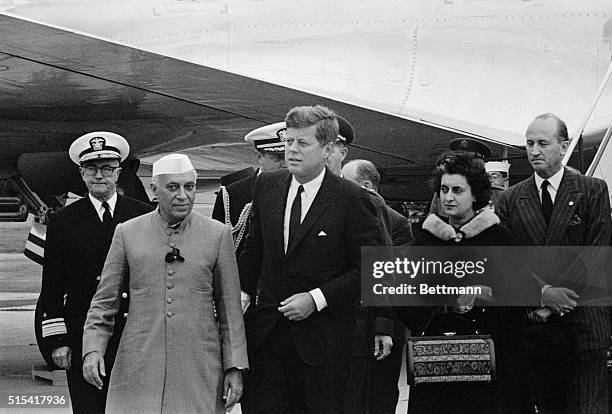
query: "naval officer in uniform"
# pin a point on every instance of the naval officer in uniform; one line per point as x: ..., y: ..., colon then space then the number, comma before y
x: 78, y: 239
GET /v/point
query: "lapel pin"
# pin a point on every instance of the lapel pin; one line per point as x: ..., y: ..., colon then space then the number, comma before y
x: 571, y: 203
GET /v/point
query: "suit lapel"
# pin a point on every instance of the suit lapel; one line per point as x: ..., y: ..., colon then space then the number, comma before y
x: 530, y: 212
x: 566, y: 201
x: 318, y: 206
x: 273, y: 212
x: 87, y: 223
x: 121, y: 212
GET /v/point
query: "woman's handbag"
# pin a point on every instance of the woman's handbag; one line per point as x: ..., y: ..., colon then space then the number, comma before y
x: 450, y: 349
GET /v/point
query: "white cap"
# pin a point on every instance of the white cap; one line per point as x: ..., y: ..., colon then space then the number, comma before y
x: 98, y: 145
x: 172, y: 164
x: 268, y: 138
x: 499, y: 166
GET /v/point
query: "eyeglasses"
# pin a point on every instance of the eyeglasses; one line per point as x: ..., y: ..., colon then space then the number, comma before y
x: 175, y: 254
x: 93, y: 170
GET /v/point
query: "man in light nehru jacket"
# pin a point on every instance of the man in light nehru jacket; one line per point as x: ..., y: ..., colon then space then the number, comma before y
x: 78, y: 238
x: 184, y: 345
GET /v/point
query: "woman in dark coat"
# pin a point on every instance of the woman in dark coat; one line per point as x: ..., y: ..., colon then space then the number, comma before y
x: 464, y: 190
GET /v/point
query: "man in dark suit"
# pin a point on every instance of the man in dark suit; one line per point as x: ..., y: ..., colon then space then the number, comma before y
x: 384, y: 378
x: 568, y: 336
x: 301, y: 262
x: 78, y: 239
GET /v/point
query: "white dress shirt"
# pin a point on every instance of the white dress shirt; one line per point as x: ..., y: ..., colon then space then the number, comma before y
x: 112, y: 202
x: 311, y: 189
x: 553, y: 186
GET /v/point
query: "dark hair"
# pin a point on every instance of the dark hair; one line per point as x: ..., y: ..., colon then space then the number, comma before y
x: 562, y: 134
x: 323, y: 117
x: 469, y: 166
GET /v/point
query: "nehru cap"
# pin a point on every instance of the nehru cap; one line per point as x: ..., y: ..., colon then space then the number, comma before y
x: 479, y: 148
x: 346, y: 132
x: 269, y: 138
x: 499, y: 166
x: 172, y: 164
x: 98, y: 146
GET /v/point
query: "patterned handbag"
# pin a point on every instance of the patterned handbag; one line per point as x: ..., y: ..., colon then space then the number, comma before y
x: 451, y: 357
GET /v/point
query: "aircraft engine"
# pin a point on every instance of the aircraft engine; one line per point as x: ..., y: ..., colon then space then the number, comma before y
x: 49, y: 174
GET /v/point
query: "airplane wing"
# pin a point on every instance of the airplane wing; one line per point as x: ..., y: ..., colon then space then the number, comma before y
x: 56, y: 84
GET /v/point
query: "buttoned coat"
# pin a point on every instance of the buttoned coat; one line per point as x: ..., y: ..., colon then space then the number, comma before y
x: 185, y: 326
x: 325, y: 254
x: 580, y: 217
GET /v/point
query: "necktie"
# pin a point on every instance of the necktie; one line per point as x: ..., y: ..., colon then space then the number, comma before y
x: 107, y: 219
x: 296, y: 215
x: 547, y: 204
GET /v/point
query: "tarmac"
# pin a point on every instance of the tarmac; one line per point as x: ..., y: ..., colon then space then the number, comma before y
x: 20, y: 281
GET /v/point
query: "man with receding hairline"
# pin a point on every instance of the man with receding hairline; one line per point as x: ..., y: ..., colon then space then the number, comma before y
x: 568, y: 337
x: 383, y: 390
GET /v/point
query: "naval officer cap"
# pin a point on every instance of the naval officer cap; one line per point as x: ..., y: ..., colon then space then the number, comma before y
x: 479, y: 148
x: 268, y: 138
x: 497, y: 166
x: 172, y: 164
x: 346, y: 132
x: 99, y: 145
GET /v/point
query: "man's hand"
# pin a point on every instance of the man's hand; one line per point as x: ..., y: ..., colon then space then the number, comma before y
x: 62, y: 357
x: 559, y: 299
x: 382, y: 346
x: 465, y: 302
x: 298, y: 307
x: 93, y: 367
x: 232, y: 388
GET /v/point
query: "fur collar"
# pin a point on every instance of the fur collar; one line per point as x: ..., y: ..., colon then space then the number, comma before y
x: 444, y: 231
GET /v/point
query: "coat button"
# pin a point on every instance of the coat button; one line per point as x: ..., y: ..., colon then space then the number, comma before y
x: 170, y: 313
x: 172, y: 244
x: 170, y: 271
x: 169, y: 285
x: 98, y: 277
x: 124, y: 295
x: 169, y: 300
x: 125, y: 315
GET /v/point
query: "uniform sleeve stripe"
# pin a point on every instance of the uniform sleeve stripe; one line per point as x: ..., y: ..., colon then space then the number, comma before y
x: 33, y: 238
x: 35, y: 248
x: 46, y: 331
x: 60, y: 320
x: 54, y: 325
x: 33, y: 256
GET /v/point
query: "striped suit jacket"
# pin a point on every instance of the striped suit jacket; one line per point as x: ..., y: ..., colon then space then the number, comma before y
x: 581, y: 217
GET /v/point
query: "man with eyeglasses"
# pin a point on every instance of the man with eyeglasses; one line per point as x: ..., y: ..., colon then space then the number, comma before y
x: 78, y: 238
x: 184, y: 345
x: 499, y: 178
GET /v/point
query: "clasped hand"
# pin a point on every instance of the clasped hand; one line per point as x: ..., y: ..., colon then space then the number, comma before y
x: 559, y: 299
